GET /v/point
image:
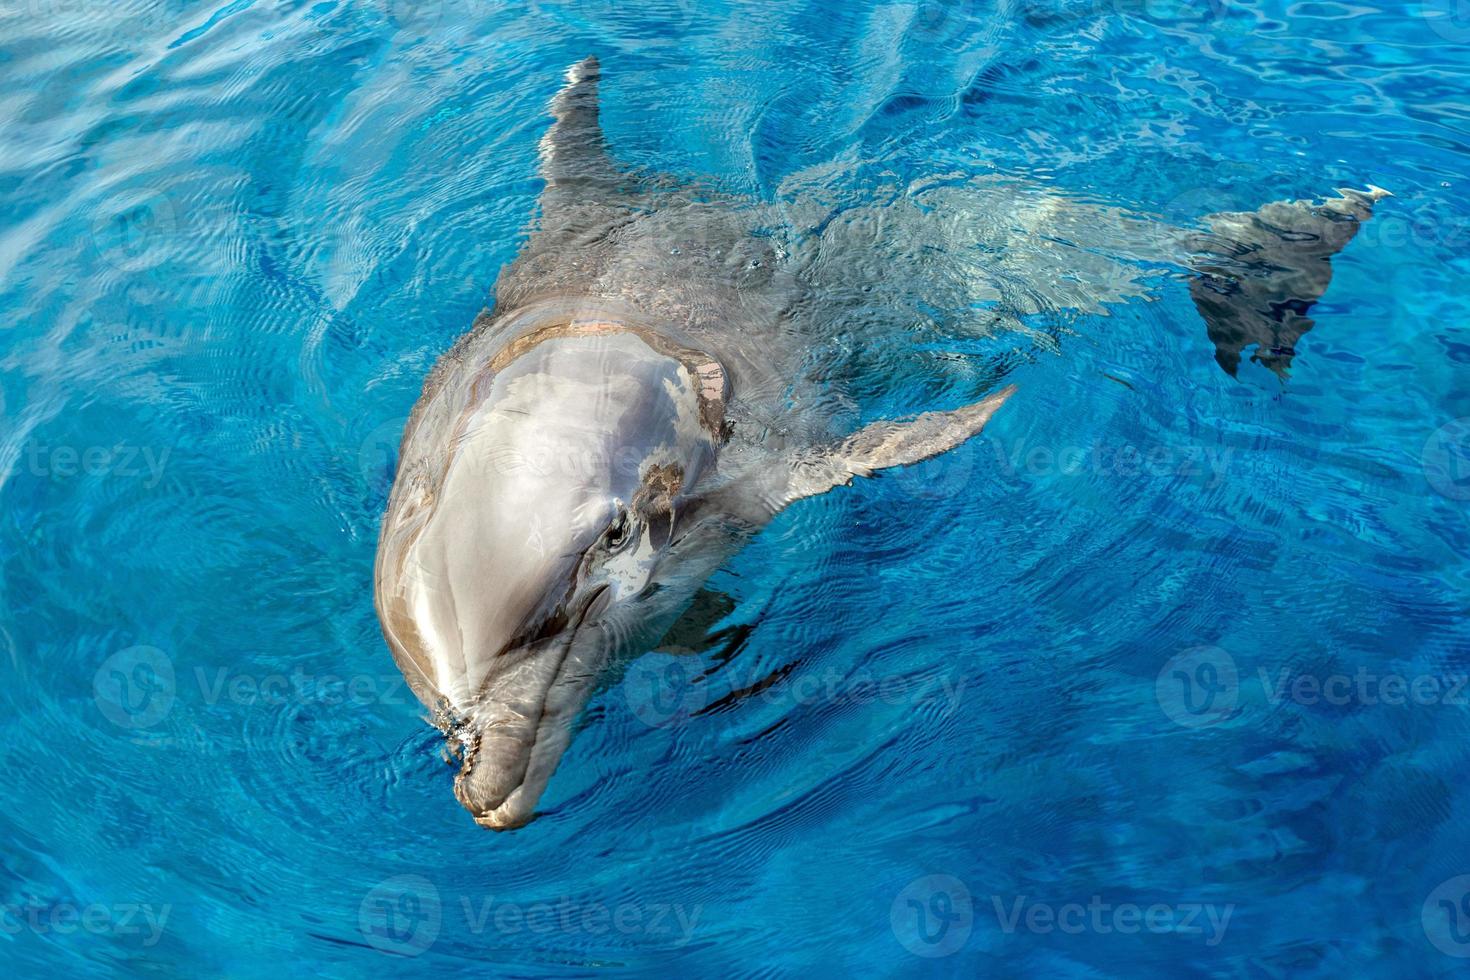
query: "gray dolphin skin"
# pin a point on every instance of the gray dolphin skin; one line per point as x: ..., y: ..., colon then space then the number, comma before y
x: 639, y: 403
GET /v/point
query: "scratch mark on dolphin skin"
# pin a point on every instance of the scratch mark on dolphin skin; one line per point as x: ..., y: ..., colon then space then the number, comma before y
x: 535, y: 538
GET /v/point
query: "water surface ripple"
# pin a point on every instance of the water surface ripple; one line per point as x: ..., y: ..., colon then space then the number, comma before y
x: 1057, y: 667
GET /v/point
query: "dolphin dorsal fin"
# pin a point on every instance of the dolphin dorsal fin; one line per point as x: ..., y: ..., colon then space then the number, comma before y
x: 575, y: 162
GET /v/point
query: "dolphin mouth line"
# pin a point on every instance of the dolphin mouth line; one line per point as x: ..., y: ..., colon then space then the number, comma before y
x: 486, y: 818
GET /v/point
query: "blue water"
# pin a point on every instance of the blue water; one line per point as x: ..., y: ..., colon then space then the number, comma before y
x: 1016, y: 711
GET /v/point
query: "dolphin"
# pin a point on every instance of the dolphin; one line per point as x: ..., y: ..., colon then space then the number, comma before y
x: 636, y: 405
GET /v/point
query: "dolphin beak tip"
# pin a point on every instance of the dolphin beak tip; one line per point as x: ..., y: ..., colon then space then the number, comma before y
x: 504, y: 817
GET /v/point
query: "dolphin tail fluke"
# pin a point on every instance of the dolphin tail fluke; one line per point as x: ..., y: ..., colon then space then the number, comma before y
x: 1258, y: 273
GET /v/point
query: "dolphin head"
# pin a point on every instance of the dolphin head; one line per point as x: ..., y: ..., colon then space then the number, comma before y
x: 541, y: 492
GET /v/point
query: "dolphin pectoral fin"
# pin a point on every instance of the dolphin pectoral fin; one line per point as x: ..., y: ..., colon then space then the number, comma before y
x: 894, y: 443
x: 885, y: 444
x: 1258, y: 273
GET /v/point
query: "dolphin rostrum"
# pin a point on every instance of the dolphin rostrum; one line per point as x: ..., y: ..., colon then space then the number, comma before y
x: 632, y: 410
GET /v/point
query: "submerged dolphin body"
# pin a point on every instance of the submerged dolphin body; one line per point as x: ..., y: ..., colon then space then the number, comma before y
x: 634, y: 408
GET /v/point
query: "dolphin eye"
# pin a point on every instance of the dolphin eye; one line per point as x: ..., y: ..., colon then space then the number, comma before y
x: 617, y: 531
